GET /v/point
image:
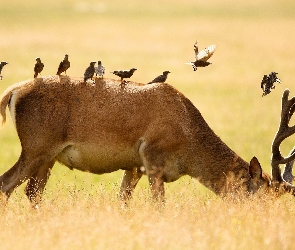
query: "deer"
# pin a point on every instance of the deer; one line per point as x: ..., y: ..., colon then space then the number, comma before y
x: 102, y: 126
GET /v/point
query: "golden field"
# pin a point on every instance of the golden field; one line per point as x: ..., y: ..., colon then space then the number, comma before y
x: 80, y: 210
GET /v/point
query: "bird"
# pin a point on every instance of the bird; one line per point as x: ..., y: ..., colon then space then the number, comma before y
x: 124, y: 74
x: 202, y: 56
x: 38, y: 67
x: 64, y: 65
x: 2, y: 64
x: 267, y: 83
x: 100, y: 69
x: 161, y: 78
x: 89, y: 72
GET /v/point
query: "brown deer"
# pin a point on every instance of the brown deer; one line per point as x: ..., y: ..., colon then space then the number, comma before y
x: 101, y: 126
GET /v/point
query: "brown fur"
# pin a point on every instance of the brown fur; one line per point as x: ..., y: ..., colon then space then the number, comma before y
x: 103, y: 127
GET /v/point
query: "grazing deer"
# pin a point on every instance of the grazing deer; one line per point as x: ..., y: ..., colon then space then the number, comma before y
x: 104, y: 127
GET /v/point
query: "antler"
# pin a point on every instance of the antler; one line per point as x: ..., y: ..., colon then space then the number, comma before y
x: 284, y: 131
x: 287, y: 175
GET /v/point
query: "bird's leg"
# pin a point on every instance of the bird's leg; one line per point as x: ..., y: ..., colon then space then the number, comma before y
x: 123, y: 82
x: 1, y: 77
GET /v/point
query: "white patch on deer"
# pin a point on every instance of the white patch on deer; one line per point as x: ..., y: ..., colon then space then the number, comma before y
x: 12, y: 106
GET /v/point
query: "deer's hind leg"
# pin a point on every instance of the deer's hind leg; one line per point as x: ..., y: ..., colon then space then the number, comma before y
x: 26, y: 166
x: 37, y: 183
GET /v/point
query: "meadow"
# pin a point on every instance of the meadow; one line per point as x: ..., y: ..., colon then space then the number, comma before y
x: 81, y: 210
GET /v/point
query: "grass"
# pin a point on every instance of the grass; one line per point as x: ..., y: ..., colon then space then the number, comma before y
x: 95, y: 220
x: 81, y: 209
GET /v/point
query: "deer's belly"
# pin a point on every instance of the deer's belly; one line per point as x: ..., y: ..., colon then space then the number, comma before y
x: 99, y: 159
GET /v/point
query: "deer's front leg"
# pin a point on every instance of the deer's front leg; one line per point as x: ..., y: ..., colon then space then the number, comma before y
x: 129, y: 182
x: 157, y: 185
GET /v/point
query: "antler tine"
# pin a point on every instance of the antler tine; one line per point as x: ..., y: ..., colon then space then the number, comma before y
x: 287, y: 174
x: 284, y: 131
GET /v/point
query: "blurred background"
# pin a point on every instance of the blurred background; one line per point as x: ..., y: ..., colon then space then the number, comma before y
x: 253, y: 38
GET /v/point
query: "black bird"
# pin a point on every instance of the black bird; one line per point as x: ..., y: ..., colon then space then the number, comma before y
x: 64, y: 65
x: 267, y: 83
x: 161, y: 78
x: 38, y: 67
x: 2, y: 64
x: 124, y: 73
x: 89, y: 72
x: 202, y: 56
x: 100, y: 69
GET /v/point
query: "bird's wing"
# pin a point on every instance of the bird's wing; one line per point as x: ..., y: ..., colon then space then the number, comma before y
x: 60, y: 66
x: 206, y: 53
x: 262, y: 85
x: 196, y: 49
x: 68, y: 64
x: 158, y: 79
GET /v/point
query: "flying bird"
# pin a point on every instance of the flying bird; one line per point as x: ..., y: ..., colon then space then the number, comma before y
x: 124, y: 74
x: 100, y: 69
x: 161, y: 78
x: 64, y: 65
x: 38, y: 67
x: 89, y: 72
x: 2, y: 64
x: 267, y: 83
x: 202, y: 56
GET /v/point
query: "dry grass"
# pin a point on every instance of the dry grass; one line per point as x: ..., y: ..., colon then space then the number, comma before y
x: 190, y: 220
x: 80, y: 209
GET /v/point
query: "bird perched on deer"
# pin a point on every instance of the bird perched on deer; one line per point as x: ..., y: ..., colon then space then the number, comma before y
x: 124, y: 74
x: 89, y: 72
x: 2, y: 64
x: 100, y: 69
x: 161, y: 78
x: 38, y: 67
x: 268, y: 81
x: 64, y: 65
x: 202, y: 56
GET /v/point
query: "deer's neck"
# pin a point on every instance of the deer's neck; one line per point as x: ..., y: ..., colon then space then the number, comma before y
x: 215, y: 165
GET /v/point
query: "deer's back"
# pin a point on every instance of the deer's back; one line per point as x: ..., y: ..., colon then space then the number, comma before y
x: 72, y: 110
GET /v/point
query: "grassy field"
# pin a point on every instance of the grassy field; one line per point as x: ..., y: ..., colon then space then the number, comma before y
x: 80, y: 210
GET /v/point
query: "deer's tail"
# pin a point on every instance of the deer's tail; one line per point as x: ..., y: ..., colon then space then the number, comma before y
x: 5, y: 99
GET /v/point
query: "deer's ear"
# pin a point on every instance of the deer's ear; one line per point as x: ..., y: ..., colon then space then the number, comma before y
x: 255, y: 169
